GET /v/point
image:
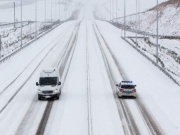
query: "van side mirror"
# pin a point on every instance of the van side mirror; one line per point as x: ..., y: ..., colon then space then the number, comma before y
x: 59, y: 83
x: 117, y: 85
x: 37, y: 83
x: 134, y: 85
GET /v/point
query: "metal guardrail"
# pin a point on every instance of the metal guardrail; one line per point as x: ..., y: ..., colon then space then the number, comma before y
x: 128, y: 28
x: 163, y: 70
x: 27, y: 44
x: 134, y: 37
x: 5, y: 24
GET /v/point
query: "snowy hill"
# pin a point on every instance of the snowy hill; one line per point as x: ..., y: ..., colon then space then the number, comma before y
x: 169, y: 23
x: 169, y: 26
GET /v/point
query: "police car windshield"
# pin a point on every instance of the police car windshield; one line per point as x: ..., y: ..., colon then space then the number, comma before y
x: 127, y: 86
x: 48, y: 81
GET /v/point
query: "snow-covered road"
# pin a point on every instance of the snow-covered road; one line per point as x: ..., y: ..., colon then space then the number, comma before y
x: 72, y: 113
x: 19, y: 105
x: 92, y: 58
x: 156, y: 91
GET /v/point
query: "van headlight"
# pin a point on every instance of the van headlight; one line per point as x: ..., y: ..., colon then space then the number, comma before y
x: 56, y: 91
x: 39, y: 91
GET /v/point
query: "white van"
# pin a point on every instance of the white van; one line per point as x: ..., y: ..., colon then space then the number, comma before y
x: 49, y: 85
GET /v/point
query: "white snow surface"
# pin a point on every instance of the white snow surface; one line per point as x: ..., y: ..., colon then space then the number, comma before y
x: 69, y: 115
x: 71, y: 111
x: 158, y: 93
x: 25, y: 104
x: 168, y: 19
x: 168, y: 52
x: 7, y: 15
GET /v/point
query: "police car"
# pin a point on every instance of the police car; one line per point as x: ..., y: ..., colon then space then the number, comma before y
x: 126, y: 88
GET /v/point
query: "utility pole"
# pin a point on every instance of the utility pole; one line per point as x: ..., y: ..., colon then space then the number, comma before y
x: 124, y: 19
x: 21, y: 23
x: 59, y: 11
x: 45, y: 13
x: 136, y: 23
x: 36, y: 17
x: 55, y: 12
x: 69, y: 11
x: 112, y: 10
x: 0, y: 46
x: 103, y: 7
x: 116, y: 12
x: 139, y: 14
x: 109, y: 11
x: 63, y: 13
x: 30, y: 29
x: 157, y: 34
x: 51, y: 10
x: 14, y: 15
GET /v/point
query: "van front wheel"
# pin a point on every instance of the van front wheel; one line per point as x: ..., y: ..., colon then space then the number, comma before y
x: 39, y: 98
x: 57, y: 97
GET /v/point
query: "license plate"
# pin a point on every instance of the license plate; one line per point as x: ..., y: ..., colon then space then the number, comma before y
x: 128, y: 92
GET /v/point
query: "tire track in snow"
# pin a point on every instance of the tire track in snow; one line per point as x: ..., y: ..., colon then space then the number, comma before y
x: 28, y: 118
x: 122, y: 113
x: 23, y: 127
x: 90, y: 131
x: 22, y: 85
x: 44, y: 120
x: 153, y: 127
x: 13, y: 81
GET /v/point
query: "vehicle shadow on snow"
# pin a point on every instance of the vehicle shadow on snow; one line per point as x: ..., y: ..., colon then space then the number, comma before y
x: 49, y: 99
x: 128, y: 97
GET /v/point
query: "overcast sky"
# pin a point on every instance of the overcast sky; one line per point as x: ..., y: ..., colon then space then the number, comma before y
x: 145, y: 4
x: 130, y: 4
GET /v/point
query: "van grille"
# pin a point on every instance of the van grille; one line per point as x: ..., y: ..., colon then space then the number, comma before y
x: 47, y: 92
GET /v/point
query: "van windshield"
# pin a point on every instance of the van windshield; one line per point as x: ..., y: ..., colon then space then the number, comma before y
x: 127, y: 86
x: 48, y: 81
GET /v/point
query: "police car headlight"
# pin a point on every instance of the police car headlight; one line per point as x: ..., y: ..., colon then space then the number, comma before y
x: 56, y: 91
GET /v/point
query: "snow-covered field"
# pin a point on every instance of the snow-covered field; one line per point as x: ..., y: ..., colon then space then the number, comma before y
x: 168, y: 17
x: 157, y: 92
x: 168, y: 21
x: 29, y: 12
x: 95, y: 58
x: 169, y: 51
x: 11, y: 37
